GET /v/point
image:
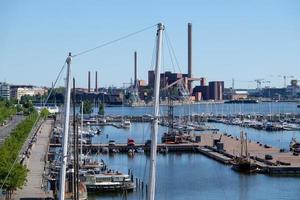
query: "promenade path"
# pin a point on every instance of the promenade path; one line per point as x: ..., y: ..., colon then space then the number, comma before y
x: 35, y: 164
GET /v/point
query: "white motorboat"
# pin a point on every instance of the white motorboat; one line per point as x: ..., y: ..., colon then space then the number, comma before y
x: 110, y: 181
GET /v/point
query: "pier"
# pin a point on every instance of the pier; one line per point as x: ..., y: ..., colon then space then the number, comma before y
x: 222, y: 148
x: 35, y: 187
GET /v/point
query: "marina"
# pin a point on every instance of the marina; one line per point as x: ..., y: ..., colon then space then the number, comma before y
x: 281, y: 162
x: 219, y: 143
x: 202, y: 104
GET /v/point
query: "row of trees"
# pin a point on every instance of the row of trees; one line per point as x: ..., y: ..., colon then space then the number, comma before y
x: 7, y: 110
x: 88, y: 108
x: 9, y: 152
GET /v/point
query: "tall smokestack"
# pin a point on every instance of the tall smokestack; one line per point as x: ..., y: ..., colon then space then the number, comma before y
x: 135, y: 69
x: 202, y: 81
x: 189, y: 53
x: 96, y: 82
x: 89, y: 82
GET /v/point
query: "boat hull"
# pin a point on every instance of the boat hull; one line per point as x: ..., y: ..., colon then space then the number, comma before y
x: 245, y: 167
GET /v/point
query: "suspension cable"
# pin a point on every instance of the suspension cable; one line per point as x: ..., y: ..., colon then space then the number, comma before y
x: 170, y: 53
x: 172, y: 49
x: 53, y: 86
x: 113, y: 41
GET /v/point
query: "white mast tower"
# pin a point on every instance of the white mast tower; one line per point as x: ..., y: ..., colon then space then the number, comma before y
x: 151, y: 194
x: 62, y: 179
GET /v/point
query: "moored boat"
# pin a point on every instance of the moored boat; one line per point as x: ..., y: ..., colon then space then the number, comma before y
x: 295, y: 145
x: 125, y: 124
x: 110, y: 181
x: 244, y: 165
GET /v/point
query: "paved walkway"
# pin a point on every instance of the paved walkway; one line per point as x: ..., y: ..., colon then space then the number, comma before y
x: 35, y: 165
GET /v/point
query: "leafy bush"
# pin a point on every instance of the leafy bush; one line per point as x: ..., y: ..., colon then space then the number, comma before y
x: 44, y: 113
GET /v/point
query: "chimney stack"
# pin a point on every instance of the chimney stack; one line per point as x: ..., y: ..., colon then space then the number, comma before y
x: 135, y: 69
x: 96, y: 82
x: 202, y: 81
x: 89, y: 82
x: 189, y: 53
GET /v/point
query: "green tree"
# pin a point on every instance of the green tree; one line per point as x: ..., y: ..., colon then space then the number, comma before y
x: 87, y: 107
x: 19, y: 107
x: 101, y: 110
x: 27, y: 105
x: 44, y: 113
x: 7, y: 110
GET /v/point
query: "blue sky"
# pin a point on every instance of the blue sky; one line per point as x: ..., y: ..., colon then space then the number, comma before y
x: 244, y: 40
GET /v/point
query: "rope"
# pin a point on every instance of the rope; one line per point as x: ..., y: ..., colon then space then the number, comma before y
x: 113, y: 41
x: 53, y: 86
x: 176, y: 60
x: 153, y: 55
x: 170, y: 53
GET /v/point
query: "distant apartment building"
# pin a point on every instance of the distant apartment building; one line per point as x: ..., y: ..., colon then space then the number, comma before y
x: 4, y: 91
x: 18, y: 91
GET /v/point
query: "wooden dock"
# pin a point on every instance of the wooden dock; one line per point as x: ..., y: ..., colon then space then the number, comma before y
x: 282, y: 163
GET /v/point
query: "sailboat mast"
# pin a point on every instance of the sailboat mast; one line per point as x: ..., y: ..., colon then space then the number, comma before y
x: 242, y: 141
x: 62, y: 179
x: 81, y: 128
x: 151, y: 194
x: 246, y: 145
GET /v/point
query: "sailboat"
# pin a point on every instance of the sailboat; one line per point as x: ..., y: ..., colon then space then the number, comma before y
x: 243, y: 162
x: 176, y: 134
x: 125, y: 123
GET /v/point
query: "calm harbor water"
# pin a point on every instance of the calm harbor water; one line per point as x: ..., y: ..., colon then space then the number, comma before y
x: 194, y: 176
x: 216, y: 108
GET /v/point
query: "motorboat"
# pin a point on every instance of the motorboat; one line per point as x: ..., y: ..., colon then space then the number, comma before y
x: 126, y: 124
x: 109, y: 181
x: 130, y: 142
